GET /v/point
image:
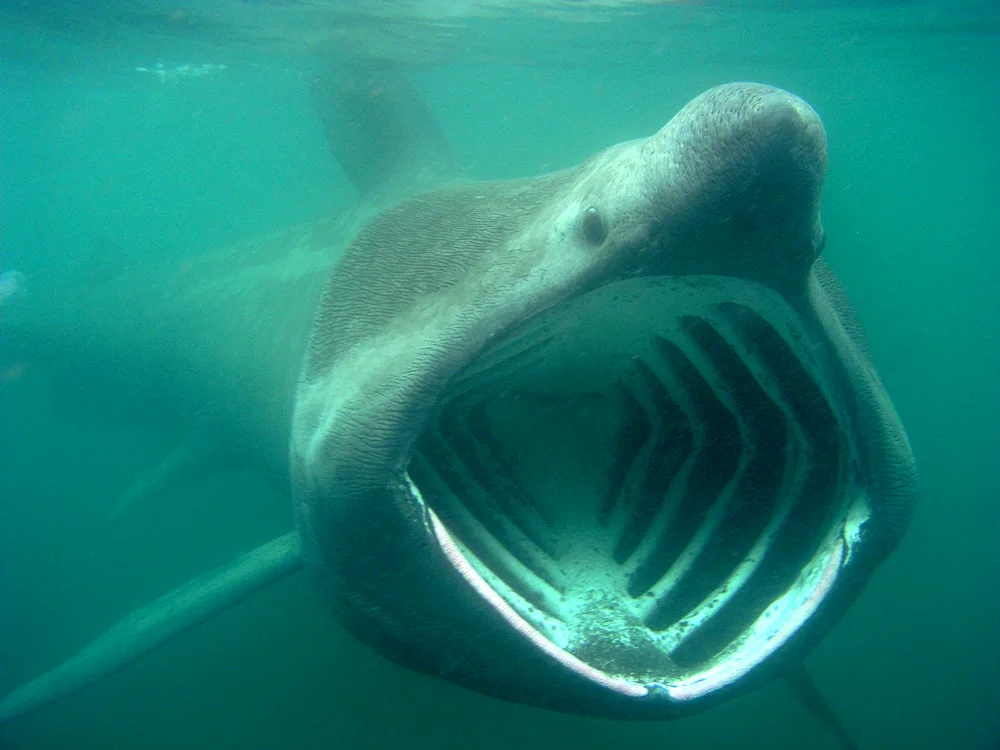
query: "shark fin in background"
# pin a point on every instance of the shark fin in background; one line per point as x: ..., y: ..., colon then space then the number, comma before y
x: 185, y: 462
x: 381, y: 131
x: 157, y: 623
x: 809, y: 695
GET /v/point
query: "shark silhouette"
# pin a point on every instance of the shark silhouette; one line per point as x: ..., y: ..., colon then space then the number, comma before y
x: 607, y: 441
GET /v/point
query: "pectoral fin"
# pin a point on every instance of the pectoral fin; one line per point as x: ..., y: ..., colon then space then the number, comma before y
x: 152, y: 626
x: 185, y: 462
x: 805, y: 689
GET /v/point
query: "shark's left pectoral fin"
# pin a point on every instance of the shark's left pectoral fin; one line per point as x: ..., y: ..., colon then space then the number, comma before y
x: 152, y: 626
x: 185, y: 462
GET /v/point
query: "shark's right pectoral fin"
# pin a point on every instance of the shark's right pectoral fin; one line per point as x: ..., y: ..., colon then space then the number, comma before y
x: 809, y: 695
x: 152, y: 626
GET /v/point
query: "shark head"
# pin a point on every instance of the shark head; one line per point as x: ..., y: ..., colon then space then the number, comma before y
x: 608, y: 440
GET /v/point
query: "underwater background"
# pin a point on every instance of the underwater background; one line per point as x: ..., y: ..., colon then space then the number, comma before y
x: 153, y: 132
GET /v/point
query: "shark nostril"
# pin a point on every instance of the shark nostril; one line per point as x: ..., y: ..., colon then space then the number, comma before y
x: 783, y: 120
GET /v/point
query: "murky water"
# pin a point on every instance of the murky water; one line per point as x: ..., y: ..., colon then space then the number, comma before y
x: 138, y: 136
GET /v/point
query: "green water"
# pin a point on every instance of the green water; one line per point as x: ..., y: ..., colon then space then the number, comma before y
x: 105, y: 168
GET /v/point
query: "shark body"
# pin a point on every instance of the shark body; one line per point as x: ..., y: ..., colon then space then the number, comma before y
x: 617, y: 422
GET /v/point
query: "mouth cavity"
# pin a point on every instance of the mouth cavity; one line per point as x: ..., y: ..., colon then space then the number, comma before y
x: 653, y: 483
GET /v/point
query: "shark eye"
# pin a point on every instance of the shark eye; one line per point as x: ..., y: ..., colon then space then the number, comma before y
x: 594, y: 230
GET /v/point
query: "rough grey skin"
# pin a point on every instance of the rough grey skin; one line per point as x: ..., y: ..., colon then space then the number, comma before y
x: 607, y: 441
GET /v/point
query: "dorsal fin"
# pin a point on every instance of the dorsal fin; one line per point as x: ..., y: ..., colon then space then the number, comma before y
x: 381, y: 131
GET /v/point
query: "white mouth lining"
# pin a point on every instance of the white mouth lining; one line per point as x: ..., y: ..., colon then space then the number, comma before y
x: 522, y: 626
x: 771, y: 630
x: 763, y: 638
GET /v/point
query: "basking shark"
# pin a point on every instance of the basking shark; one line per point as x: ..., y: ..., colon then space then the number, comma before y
x: 607, y: 441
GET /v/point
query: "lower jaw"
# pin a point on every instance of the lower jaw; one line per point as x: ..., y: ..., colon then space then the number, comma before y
x: 652, y: 484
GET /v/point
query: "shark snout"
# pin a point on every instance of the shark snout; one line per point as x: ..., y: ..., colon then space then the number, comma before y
x: 738, y: 176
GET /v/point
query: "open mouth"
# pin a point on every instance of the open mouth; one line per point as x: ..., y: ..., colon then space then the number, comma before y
x: 654, y: 483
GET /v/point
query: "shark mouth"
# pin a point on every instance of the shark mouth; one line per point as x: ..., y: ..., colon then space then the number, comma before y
x: 654, y: 483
